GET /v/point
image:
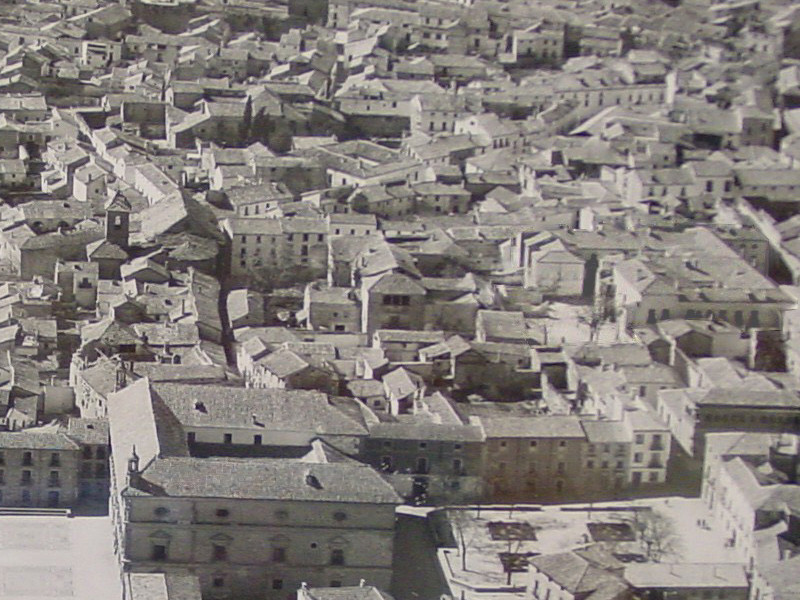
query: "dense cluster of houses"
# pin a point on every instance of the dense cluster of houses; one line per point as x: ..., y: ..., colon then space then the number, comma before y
x: 270, y: 270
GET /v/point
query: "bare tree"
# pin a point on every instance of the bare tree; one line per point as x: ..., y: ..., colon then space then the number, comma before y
x: 465, y: 531
x: 515, y: 560
x: 656, y: 533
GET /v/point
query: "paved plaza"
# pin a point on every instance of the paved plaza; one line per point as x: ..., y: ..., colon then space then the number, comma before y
x: 57, y: 558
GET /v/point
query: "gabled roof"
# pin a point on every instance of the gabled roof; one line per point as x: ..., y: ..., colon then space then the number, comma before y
x: 109, y: 331
x: 396, y: 283
x: 401, y: 383
x: 533, y: 427
x: 295, y: 480
x: 578, y: 576
x: 283, y: 363
x: 103, y: 249
x: 686, y: 575
x: 200, y: 406
x: 37, y: 439
x: 118, y: 203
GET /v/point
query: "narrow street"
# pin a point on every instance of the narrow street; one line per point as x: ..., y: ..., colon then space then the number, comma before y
x: 416, y: 574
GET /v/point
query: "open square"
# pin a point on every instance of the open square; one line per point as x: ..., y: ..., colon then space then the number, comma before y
x: 44, y: 557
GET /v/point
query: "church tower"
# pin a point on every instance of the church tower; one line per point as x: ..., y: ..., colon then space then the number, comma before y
x: 118, y: 213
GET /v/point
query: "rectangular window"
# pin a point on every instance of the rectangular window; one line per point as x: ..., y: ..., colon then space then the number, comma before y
x: 228, y: 438
x: 257, y: 439
x: 55, y: 459
x: 337, y: 557
x: 219, y: 552
x: 277, y: 584
x: 159, y: 552
x: 26, y: 478
x: 279, y: 554
x: 27, y: 459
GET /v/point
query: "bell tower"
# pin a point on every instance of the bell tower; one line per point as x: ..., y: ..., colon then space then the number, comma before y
x: 118, y: 213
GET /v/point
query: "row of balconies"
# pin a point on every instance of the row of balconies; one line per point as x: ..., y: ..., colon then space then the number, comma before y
x: 159, y: 552
x: 27, y: 481
x: 27, y: 460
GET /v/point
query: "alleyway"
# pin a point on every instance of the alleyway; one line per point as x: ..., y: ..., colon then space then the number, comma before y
x: 416, y: 575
